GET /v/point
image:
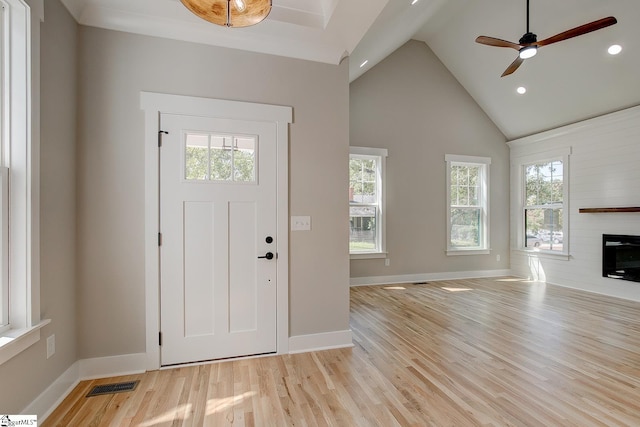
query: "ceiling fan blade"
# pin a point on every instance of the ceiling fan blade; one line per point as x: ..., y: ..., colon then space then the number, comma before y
x: 492, y: 41
x: 578, y: 31
x: 513, y: 67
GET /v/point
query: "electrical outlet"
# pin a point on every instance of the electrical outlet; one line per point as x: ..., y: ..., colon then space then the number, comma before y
x: 498, y: 258
x: 387, y: 262
x: 51, y: 346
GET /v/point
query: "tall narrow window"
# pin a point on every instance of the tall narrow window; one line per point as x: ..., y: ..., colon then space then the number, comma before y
x: 544, y: 205
x: 19, y: 300
x: 4, y: 175
x: 366, y: 201
x: 468, y: 205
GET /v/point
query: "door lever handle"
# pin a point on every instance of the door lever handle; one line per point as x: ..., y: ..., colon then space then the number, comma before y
x: 268, y: 255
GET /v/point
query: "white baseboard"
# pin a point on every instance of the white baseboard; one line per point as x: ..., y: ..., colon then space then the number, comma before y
x: 426, y: 277
x: 84, y: 369
x: 317, y: 342
x: 53, y: 396
x: 113, y: 366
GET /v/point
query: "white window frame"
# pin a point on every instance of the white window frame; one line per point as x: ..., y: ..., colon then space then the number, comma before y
x: 18, y: 158
x: 380, y: 155
x: 484, y: 164
x: 520, y: 163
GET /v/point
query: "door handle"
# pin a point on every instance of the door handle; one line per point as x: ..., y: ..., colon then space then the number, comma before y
x: 268, y: 255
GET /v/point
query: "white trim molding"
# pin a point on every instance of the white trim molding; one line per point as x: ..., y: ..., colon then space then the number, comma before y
x: 15, y: 341
x: 426, y: 277
x: 20, y: 154
x: 153, y: 105
x: 321, y: 341
x: 483, y: 204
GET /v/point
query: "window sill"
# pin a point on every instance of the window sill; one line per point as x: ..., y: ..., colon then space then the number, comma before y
x: 369, y: 255
x: 544, y: 254
x: 15, y: 341
x: 454, y: 252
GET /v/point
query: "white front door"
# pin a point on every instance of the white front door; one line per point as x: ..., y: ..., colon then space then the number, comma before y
x: 218, y: 231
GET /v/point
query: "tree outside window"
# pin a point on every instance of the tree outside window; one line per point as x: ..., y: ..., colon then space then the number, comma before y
x: 468, y: 204
x: 366, y: 200
x: 544, y: 205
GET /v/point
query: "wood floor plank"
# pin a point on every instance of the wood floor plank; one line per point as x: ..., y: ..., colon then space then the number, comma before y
x: 474, y: 352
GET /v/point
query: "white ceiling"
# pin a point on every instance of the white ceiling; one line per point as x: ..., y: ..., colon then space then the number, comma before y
x: 567, y: 82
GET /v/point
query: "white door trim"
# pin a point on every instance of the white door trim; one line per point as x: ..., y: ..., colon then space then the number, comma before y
x: 155, y: 103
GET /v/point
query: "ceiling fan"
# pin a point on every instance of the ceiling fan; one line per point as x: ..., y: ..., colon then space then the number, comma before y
x: 528, y: 44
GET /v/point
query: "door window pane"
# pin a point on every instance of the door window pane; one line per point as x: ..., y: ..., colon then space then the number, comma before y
x: 197, y: 157
x: 221, y: 162
x: 225, y: 158
x: 244, y: 159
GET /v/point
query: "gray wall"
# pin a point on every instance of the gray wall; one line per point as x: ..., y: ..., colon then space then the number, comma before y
x: 26, y: 375
x: 411, y: 104
x: 115, y: 67
x: 92, y: 184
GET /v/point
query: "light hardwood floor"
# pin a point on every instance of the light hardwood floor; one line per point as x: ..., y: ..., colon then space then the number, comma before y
x: 482, y: 352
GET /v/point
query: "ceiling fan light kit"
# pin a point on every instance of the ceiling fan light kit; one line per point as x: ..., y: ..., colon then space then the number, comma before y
x: 230, y: 13
x: 528, y: 52
x: 528, y: 44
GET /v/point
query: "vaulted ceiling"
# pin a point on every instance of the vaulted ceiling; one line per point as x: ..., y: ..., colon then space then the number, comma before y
x: 566, y: 82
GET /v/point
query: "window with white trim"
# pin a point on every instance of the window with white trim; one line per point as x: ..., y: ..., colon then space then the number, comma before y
x: 4, y: 193
x: 19, y: 299
x: 543, y: 207
x: 467, y: 205
x: 366, y: 202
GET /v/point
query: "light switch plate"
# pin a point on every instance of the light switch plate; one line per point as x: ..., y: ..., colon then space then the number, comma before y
x: 300, y: 223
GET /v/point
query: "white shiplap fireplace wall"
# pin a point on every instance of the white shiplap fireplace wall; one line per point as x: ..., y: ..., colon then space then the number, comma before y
x: 604, y: 171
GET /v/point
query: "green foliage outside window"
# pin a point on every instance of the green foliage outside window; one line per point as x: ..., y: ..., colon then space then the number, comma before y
x: 544, y: 197
x: 219, y: 164
x: 465, y: 206
x: 363, y: 200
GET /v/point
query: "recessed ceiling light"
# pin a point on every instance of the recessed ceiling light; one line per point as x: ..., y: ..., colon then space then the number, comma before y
x: 521, y: 90
x: 414, y: 2
x: 614, y: 49
x: 364, y: 63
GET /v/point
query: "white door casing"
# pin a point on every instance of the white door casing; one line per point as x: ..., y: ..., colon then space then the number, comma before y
x: 155, y: 104
x: 217, y: 297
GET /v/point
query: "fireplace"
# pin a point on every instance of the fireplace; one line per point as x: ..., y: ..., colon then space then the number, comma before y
x: 621, y: 257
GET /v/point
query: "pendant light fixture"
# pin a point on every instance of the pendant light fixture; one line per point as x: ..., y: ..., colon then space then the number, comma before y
x: 230, y: 13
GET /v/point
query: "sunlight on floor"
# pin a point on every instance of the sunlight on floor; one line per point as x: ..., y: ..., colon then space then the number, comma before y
x: 178, y: 413
x: 183, y: 412
x: 395, y: 288
x: 537, y: 293
x: 218, y: 405
x: 536, y: 269
x: 457, y: 289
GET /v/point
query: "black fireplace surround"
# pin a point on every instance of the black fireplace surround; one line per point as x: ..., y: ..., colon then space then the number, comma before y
x: 621, y: 257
